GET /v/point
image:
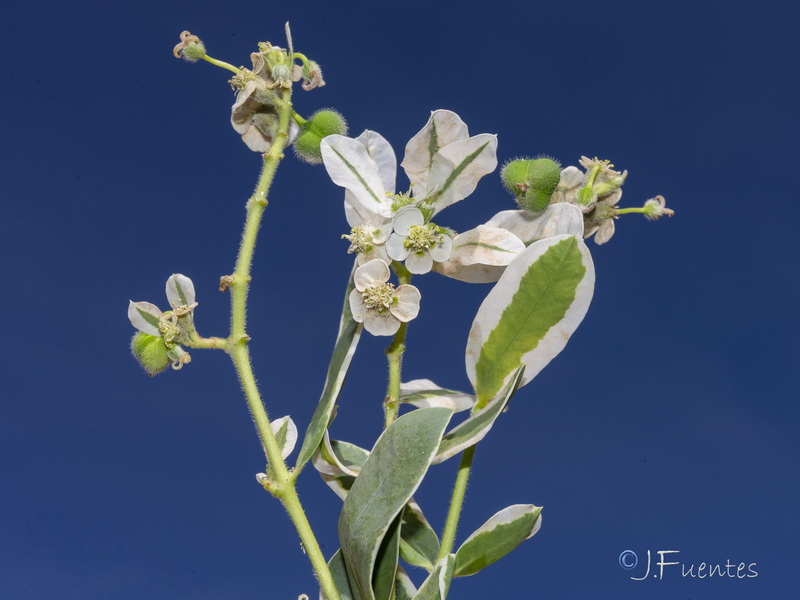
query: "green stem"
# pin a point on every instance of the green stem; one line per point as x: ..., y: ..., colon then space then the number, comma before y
x: 456, y: 502
x: 394, y: 354
x: 221, y: 63
x: 283, y: 486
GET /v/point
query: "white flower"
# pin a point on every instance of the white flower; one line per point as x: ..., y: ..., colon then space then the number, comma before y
x: 417, y: 242
x: 442, y: 162
x: 378, y: 304
x: 148, y: 318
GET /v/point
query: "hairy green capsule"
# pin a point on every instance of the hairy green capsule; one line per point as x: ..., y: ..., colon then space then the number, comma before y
x: 532, y: 181
x: 151, y: 352
x: 320, y: 125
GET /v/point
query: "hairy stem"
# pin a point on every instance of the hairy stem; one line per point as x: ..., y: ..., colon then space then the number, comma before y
x: 456, y: 502
x: 283, y: 485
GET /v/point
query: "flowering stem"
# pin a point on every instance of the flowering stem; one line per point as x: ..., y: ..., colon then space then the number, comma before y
x: 282, y: 485
x: 456, y: 502
x: 624, y: 211
x: 221, y: 63
x: 394, y: 354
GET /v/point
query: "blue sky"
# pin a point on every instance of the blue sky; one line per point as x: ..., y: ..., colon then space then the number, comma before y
x: 670, y: 422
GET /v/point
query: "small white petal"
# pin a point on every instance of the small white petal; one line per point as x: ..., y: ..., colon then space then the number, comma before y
x: 604, y: 232
x: 180, y: 290
x: 419, y: 264
x: 571, y: 177
x: 381, y: 323
x: 406, y: 219
x: 144, y: 316
x: 442, y: 251
x: 407, y: 306
x: 395, y: 247
x: 375, y: 271
x: 357, y: 306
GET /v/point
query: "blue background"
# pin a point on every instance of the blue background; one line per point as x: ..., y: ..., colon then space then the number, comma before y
x: 670, y: 421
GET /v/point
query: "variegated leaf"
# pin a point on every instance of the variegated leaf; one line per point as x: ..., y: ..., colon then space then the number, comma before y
x: 180, y: 290
x: 145, y: 316
x: 436, y: 586
x: 530, y: 314
x: 557, y: 219
x: 444, y: 127
x: 424, y: 393
x: 480, y: 255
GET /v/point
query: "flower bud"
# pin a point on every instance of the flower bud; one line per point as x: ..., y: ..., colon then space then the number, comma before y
x: 151, y: 352
x: 532, y: 181
x: 320, y: 125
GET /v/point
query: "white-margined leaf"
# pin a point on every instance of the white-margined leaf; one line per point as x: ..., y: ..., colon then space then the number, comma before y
x: 285, y: 433
x: 557, y: 219
x: 343, y: 350
x: 180, y: 290
x: 424, y: 393
x: 381, y: 152
x: 419, y: 544
x: 338, y: 464
x: 339, y: 575
x: 457, y: 168
x: 145, y: 316
x: 480, y: 255
x: 530, y: 314
x: 444, y: 127
x: 473, y: 430
x: 350, y: 166
x: 497, y: 537
x: 404, y: 450
x: 436, y: 586
x: 404, y: 588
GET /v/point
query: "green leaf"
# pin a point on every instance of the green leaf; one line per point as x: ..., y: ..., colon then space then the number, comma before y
x: 343, y: 350
x: 436, y: 586
x: 386, y: 563
x: 419, y: 544
x: 473, y: 430
x: 386, y: 483
x: 339, y: 575
x: 530, y: 313
x: 338, y: 464
x: 497, y: 537
x: 404, y: 588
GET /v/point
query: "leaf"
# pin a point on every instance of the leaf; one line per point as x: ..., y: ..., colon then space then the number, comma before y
x: 145, y: 317
x: 481, y: 255
x: 404, y: 588
x: 419, y: 544
x: 343, y: 350
x: 436, y: 586
x: 497, y: 537
x: 350, y: 166
x: 286, y: 434
x: 530, y: 314
x: 339, y: 575
x: 474, y: 429
x: 559, y: 218
x: 386, y: 563
x: 387, y: 481
x: 180, y: 290
x: 444, y: 127
x: 457, y: 168
x: 380, y: 151
x: 338, y: 464
x: 423, y: 393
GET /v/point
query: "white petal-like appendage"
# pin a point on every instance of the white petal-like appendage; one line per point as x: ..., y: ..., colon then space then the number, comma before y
x: 350, y: 166
x: 291, y: 434
x: 419, y: 264
x: 444, y: 127
x: 180, y: 290
x: 357, y: 306
x: 396, y: 248
x: 375, y: 271
x: 407, y: 307
x: 381, y: 152
x: 145, y: 316
x: 557, y: 219
x: 406, y: 219
x: 381, y: 323
x: 442, y: 251
x: 604, y: 232
x: 457, y: 168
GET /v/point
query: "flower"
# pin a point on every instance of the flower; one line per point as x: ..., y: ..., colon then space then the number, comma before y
x: 417, y: 242
x: 379, y: 305
x: 443, y: 164
x: 254, y: 115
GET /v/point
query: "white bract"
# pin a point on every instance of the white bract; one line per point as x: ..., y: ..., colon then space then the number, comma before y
x: 149, y: 319
x: 379, y: 305
x: 443, y: 164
